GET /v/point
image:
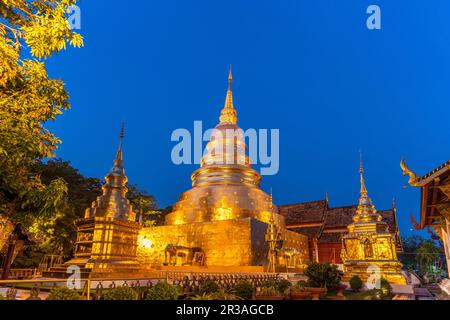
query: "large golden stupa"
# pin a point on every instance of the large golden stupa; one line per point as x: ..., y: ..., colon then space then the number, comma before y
x: 222, y: 221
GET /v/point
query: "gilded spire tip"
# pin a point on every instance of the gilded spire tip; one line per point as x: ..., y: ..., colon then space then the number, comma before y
x: 228, y: 113
x: 361, y: 175
x: 119, y: 159
x: 230, y: 79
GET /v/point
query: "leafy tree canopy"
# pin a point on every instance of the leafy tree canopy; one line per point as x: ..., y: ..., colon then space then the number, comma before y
x: 30, y: 32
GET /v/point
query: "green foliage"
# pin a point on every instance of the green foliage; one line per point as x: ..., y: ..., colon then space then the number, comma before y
x: 385, y: 289
x: 244, y: 290
x: 144, y: 205
x: 63, y: 293
x: 163, y: 291
x: 267, y: 292
x: 209, y: 287
x: 2, y: 297
x: 59, y: 234
x: 426, y: 256
x: 356, y: 283
x: 298, y: 287
x: 219, y: 295
x: 373, y: 294
x: 410, y: 245
x: 120, y: 293
x: 269, y: 283
x: 323, y: 275
x: 30, y: 30
x: 30, y: 257
x: 284, y: 285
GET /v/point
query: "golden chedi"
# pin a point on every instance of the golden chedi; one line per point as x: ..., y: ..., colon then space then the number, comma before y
x: 107, y: 236
x: 368, y: 249
x: 222, y: 220
x: 225, y: 186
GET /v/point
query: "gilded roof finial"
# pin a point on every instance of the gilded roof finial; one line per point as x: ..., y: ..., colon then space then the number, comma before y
x: 230, y: 80
x: 119, y: 159
x: 361, y: 175
x: 365, y: 207
x: 228, y: 113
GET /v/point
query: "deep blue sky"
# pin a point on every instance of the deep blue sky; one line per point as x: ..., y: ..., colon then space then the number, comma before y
x: 310, y: 68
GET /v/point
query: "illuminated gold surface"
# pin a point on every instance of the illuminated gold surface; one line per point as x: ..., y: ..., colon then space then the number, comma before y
x: 227, y: 243
x: 369, y: 246
x: 107, y: 236
x: 222, y: 221
x: 225, y: 186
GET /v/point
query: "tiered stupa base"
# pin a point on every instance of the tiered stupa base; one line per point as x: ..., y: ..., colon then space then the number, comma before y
x: 368, y: 270
x: 235, y: 245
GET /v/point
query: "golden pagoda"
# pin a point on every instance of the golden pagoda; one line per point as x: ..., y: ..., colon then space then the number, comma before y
x: 107, y: 236
x: 222, y: 220
x: 369, y: 249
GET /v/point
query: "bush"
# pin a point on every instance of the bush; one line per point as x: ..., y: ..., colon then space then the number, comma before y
x: 323, y: 275
x: 63, y: 293
x: 356, y: 283
x: 385, y: 289
x: 163, y: 291
x: 373, y: 294
x: 284, y: 285
x: 297, y: 288
x: 269, y: 283
x: 220, y: 295
x: 268, y: 292
x: 120, y: 293
x: 209, y: 287
x: 244, y: 290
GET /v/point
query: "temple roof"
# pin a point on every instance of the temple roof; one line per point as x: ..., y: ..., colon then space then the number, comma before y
x: 299, y: 213
x: 316, y: 219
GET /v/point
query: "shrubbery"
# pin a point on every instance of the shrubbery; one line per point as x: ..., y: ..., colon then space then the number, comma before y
x: 385, y: 289
x: 356, y: 283
x: 268, y: 292
x: 63, y: 293
x: 244, y: 290
x: 323, y: 275
x: 219, y: 295
x: 163, y: 291
x: 209, y: 287
x: 284, y: 285
x: 120, y: 293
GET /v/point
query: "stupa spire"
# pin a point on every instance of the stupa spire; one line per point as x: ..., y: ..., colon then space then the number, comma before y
x: 118, y: 161
x: 228, y: 113
x: 365, y: 210
x: 363, y: 191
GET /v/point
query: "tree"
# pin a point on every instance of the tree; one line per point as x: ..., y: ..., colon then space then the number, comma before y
x: 410, y: 246
x: 58, y: 233
x: 30, y: 32
x: 427, y: 254
x: 144, y: 205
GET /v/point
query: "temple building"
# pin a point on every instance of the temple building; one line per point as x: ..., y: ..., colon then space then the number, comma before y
x: 226, y: 223
x: 434, y: 204
x: 369, y: 248
x: 324, y: 226
x: 107, y: 235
